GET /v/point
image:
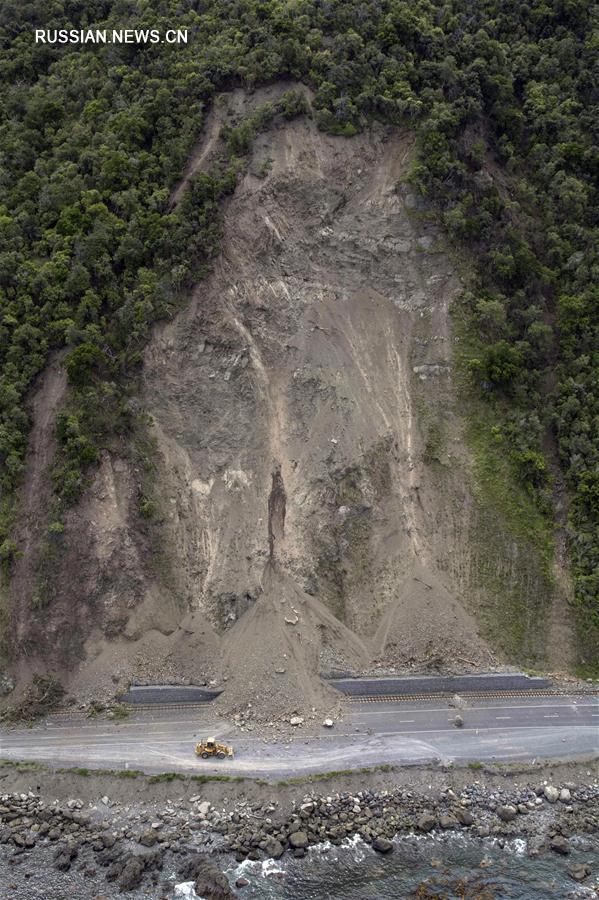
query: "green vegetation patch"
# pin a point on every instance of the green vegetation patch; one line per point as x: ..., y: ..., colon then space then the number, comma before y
x: 167, y: 777
x: 41, y: 697
x: 335, y: 773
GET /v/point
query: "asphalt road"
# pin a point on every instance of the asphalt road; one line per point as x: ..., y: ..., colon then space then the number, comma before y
x: 371, y: 733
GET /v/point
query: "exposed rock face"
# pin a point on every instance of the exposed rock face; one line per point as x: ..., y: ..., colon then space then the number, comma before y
x: 316, y: 498
x: 209, y: 882
x: 287, y: 427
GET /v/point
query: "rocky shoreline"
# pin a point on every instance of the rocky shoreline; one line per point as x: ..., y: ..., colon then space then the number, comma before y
x: 135, y: 846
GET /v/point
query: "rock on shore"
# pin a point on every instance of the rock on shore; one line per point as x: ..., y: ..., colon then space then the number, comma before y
x: 131, y: 847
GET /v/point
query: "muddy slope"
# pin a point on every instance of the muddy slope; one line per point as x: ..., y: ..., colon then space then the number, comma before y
x: 315, y: 494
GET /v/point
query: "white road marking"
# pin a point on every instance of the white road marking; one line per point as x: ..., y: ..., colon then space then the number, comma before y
x: 552, y: 716
x: 503, y: 717
x: 369, y: 711
x: 170, y: 756
x: 432, y: 731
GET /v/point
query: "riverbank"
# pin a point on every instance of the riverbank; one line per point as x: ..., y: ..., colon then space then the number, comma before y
x: 129, y: 832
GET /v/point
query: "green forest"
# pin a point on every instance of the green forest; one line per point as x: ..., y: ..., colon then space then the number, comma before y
x: 93, y: 138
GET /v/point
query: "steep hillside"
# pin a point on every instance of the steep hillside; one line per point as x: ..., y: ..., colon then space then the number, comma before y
x: 314, y: 504
x: 298, y: 342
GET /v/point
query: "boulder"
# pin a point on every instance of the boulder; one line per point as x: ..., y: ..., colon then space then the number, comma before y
x: 464, y: 816
x: 536, y: 845
x: 579, y: 871
x: 426, y: 822
x: 209, y: 882
x: 551, y: 794
x: 457, y: 702
x: 7, y: 684
x: 131, y: 873
x: 446, y: 820
x: 328, y: 723
x: 273, y: 848
x: 507, y: 813
x: 64, y: 856
x: 559, y: 844
x: 564, y: 795
x: 148, y: 838
x: 382, y: 845
x: 298, y: 840
x: 296, y: 720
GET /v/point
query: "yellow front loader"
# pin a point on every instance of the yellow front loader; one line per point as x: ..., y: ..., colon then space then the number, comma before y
x: 212, y: 747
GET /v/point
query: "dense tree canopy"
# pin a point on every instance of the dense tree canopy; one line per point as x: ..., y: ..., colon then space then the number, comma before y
x: 503, y: 97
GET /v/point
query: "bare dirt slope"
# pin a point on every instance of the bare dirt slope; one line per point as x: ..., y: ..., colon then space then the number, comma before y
x: 316, y: 501
x: 287, y: 426
x: 48, y: 395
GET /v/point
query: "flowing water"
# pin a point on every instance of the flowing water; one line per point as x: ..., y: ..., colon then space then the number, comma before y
x: 449, y: 866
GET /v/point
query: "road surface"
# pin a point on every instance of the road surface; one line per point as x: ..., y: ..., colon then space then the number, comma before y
x: 369, y: 734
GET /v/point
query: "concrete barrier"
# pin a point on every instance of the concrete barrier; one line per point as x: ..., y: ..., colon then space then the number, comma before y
x: 141, y: 695
x: 438, y: 684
